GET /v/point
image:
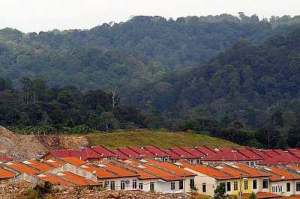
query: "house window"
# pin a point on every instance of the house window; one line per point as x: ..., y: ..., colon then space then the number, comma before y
x: 228, y: 186
x: 112, y: 185
x: 192, y: 183
x: 152, y: 186
x: 181, y: 184
x: 246, y: 184
x: 106, y: 183
x: 298, y: 186
x: 172, y: 185
x: 254, y: 184
x: 265, y: 183
x: 235, y: 185
x: 134, y: 184
x: 273, y: 189
x: 288, y: 187
x: 141, y: 186
x: 122, y: 185
x: 203, y: 187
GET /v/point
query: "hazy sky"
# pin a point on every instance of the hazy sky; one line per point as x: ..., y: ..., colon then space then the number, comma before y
x: 37, y: 15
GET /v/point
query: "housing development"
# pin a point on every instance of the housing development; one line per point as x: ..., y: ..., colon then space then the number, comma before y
x: 269, y: 173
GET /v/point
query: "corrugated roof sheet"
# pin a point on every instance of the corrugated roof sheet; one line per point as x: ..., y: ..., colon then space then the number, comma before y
x: 54, y: 179
x: 76, y: 179
x: 100, y: 172
x: 22, y: 168
x: 156, y: 151
x: 103, y: 151
x: 5, y: 174
x: 42, y: 167
x: 74, y: 161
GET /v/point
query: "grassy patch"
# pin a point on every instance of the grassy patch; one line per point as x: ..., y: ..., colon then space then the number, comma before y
x: 160, y: 138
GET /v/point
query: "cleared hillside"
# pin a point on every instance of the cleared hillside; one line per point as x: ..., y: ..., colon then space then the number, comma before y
x: 158, y: 138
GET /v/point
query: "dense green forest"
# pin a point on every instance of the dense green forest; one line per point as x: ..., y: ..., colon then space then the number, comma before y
x: 232, y: 77
x: 63, y: 108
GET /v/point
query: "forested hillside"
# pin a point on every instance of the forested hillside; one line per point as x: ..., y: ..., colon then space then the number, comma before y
x: 124, y: 55
x: 232, y: 77
x: 247, y: 86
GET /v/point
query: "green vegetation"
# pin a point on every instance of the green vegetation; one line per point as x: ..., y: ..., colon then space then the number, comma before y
x: 158, y: 138
x: 36, y: 107
x: 235, y: 78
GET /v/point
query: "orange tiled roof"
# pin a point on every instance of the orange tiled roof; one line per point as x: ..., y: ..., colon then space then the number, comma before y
x: 140, y: 169
x: 100, y: 172
x: 54, y: 179
x: 253, y: 172
x: 262, y: 195
x: 22, y: 168
x: 207, y: 170
x: 5, y: 174
x: 55, y: 163
x: 74, y: 161
x: 231, y: 171
x: 120, y: 171
x: 42, y: 167
x: 172, y: 168
x: 76, y: 179
x: 293, y: 197
x: 278, y: 174
x: 160, y: 173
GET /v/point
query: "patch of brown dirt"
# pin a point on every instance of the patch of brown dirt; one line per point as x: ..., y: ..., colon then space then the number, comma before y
x: 20, y: 147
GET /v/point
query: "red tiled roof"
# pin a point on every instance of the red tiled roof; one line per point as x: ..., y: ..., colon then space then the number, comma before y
x: 194, y: 152
x: 128, y: 152
x: 156, y: 151
x: 182, y: 153
x: 250, y: 154
x: 171, y: 154
x: 205, y: 150
x: 142, y: 152
x: 89, y: 154
x: 120, y: 155
x: 226, y: 154
x: 295, y: 152
x: 278, y: 156
x: 4, y: 158
x: 62, y: 153
x: 103, y: 151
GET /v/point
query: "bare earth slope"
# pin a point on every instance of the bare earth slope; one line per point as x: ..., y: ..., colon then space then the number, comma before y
x: 19, y: 146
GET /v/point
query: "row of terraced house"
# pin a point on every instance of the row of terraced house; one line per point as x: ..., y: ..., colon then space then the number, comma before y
x: 268, y: 173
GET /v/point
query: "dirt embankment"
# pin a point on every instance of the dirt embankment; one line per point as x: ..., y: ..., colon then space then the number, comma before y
x: 21, y: 147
